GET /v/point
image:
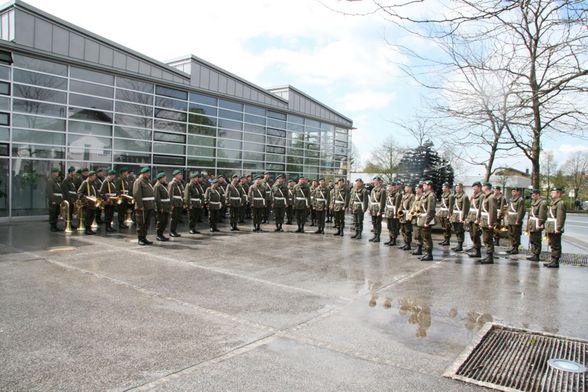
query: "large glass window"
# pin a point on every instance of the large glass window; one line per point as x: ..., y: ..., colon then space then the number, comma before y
x: 250, y: 137
x: 170, y: 115
x: 90, y: 88
x: 131, y: 157
x: 90, y: 115
x: 170, y: 92
x: 89, y: 141
x: 169, y: 137
x: 133, y: 84
x: 131, y: 108
x: 223, y: 133
x: 202, y: 141
x: 39, y: 94
x: 90, y: 102
x: 203, y: 109
x: 39, y: 65
x: 4, y: 134
x: 5, y: 73
x: 226, y: 143
x: 254, y: 128
x: 25, y: 150
x: 28, y: 136
x: 4, y: 178
x: 132, y: 96
x: 201, y: 151
x: 229, y: 154
x: 92, y: 76
x: 171, y: 103
x: 29, y: 185
x: 39, y: 79
x: 52, y: 124
x: 229, y: 114
x: 201, y: 162
x: 132, y: 145
x: 46, y: 109
x: 89, y: 128
x: 201, y: 130
x: 168, y: 148
x: 223, y: 103
x: 84, y: 153
x: 140, y: 122
x: 205, y: 99
x: 132, y: 133
x: 253, y: 156
x: 253, y: 147
x: 170, y: 126
x: 4, y: 88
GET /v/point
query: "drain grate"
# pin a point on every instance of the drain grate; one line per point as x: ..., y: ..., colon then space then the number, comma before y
x: 510, y: 359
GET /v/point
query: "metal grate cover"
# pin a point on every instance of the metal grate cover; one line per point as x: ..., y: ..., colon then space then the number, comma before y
x: 510, y: 359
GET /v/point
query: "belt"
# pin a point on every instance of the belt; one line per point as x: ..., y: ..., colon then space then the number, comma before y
x: 320, y: 199
x: 389, y: 206
x: 339, y: 202
x: 551, y: 219
x: 195, y: 199
x: 512, y: 213
x: 484, y: 214
x: 258, y: 198
x: 235, y: 198
x: 443, y: 209
x: 125, y: 192
x: 111, y: 194
x: 58, y: 194
x: 280, y: 198
x: 214, y: 202
x: 301, y: 198
x: 148, y: 198
x: 163, y: 200
x: 73, y: 192
x: 178, y: 197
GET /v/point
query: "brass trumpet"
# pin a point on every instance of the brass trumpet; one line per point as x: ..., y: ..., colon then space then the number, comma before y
x: 64, y: 210
x: 79, y: 212
x: 97, y: 201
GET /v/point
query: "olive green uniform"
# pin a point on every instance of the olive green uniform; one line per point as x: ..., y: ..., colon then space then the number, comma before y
x: 393, y: 201
x: 415, y: 210
x: 376, y: 208
x: 87, y: 190
x: 233, y: 200
x: 194, y: 199
x: 320, y: 204
x: 475, y: 231
x: 163, y: 207
x: 267, y: 210
x: 339, y: 203
x: 443, y: 215
x: 426, y: 219
x: 535, y: 224
x: 290, y: 208
x: 556, y: 219
x: 123, y: 188
x: 109, y: 193
x: 143, y: 194
x: 358, y: 199
x: 301, y: 204
x: 280, y: 201
x: 488, y: 218
x: 501, y: 207
x: 214, y: 201
x: 70, y: 194
x: 258, y: 199
x: 405, y: 221
x: 460, y: 208
x: 514, y: 219
x: 55, y: 196
x: 175, y: 189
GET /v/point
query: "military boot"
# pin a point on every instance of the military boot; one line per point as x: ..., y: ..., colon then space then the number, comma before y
x: 533, y: 258
x: 341, y: 232
x: 428, y: 256
x: 356, y: 234
x: 497, y: 241
x: 407, y: 246
x: 514, y: 251
x: 359, y: 231
x: 489, y: 259
x: 554, y: 263
x: 445, y: 242
x: 458, y: 248
x: 388, y: 242
x: 338, y: 232
x: 475, y: 253
x: 418, y: 251
x: 109, y: 228
x: 392, y: 241
x: 376, y: 238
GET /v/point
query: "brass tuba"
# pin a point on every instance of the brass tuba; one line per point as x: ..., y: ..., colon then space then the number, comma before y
x: 64, y: 210
x: 79, y: 212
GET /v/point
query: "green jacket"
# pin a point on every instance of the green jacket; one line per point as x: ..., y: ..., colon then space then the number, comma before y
x: 54, y: 191
x: 301, y: 197
x: 163, y: 201
x: 213, y: 198
x: 280, y: 197
x: 339, y: 199
x: 557, y: 214
x: 176, y: 193
x: 143, y: 194
x: 537, y: 215
x: 377, y: 201
x: 460, y: 207
x: 321, y: 198
x: 194, y: 195
x: 358, y: 199
x: 516, y: 211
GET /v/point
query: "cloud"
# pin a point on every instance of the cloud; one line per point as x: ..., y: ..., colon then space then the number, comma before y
x: 365, y: 100
x: 571, y: 148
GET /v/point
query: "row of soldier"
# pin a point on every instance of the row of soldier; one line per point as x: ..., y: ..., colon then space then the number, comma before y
x: 410, y: 212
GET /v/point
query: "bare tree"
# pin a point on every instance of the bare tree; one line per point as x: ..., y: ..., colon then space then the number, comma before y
x: 545, y: 43
x: 577, y: 169
x: 385, y: 159
x: 421, y: 129
x: 548, y: 167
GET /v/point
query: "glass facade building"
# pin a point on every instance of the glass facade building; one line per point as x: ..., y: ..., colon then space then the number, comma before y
x: 70, y: 98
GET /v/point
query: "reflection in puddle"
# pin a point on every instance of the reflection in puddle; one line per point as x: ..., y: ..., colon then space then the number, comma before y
x: 475, y: 320
x: 418, y: 313
x: 453, y: 312
x: 387, y: 303
x: 373, y: 300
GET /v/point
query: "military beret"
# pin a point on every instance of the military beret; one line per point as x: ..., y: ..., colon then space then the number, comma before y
x: 459, y: 184
x: 446, y: 184
x: 359, y: 180
x: 498, y: 187
x: 488, y: 185
x: 321, y: 179
x: 79, y: 171
x: 235, y: 176
x: 71, y: 169
x: 378, y: 178
x: 420, y: 186
x: 292, y: 180
x: 204, y: 173
x: 214, y: 181
x: 477, y: 183
x: 280, y: 176
x: 557, y: 189
x: 535, y: 191
x: 91, y: 173
x: 99, y: 171
x: 111, y: 172
x: 123, y: 169
x: 301, y: 177
x: 85, y: 169
x: 55, y: 170
x: 428, y: 182
x: 131, y: 170
x: 220, y: 176
x: 160, y: 175
x: 194, y: 174
x: 266, y: 173
x: 144, y: 170
x: 176, y: 172
x: 259, y: 177
x: 394, y: 183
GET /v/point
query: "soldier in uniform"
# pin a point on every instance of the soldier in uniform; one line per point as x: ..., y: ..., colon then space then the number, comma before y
x: 301, y: 203
x: 475, y: 231
x: 330, y: 187
x: 405, y: 221
x: 501, y: 208
x: 320, y: 205
x: 243, y: 188
x: 55, y: 196
x: 222, y: 185
x: 267, y: 185
x: 82, y: 174
x: 358, y: 199
x: 123, y: 187
x: 290, y: 208
x: 556, y: 219
x: 143, y: 194
x: 443, y: 214
x: 109, y: 193
x: 415, y: 210
x: 163, y: 205
x: 460, y: 208
x: 427, y: 218
x: 339, y: 203
x: 376, y: 207
x: 89, y: 195
x: 176, y: 193
x: 70, y: 192
x: 258, y: 199
x: 393, y: 201
x: 487, y: 220
x: 214, y: 201
x: 535, y: 224
x: 233, y: 199
x: 246, y: 186
x: 280, y: 201
x: 313, y: 185
x: 514, y: 218
x: 194, y: 199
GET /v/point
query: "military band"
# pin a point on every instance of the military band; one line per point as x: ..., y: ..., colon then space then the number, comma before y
x: 486, y: 212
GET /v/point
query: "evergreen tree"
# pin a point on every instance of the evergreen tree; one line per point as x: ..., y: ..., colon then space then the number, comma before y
x: 424, y: 163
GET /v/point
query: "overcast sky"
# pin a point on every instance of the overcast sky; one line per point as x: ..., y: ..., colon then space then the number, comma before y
x: 343, y: 61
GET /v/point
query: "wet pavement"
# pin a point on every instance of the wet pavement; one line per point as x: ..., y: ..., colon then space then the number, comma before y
x: 257, y: 311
